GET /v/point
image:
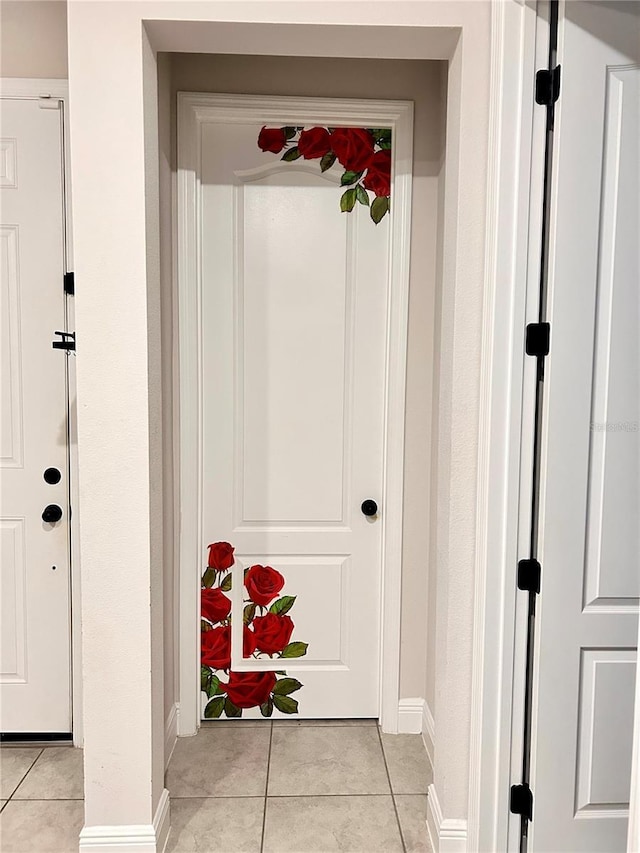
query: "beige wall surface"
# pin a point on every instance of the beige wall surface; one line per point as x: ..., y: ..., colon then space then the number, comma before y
x: 420, y: 82
x: 33, y: 38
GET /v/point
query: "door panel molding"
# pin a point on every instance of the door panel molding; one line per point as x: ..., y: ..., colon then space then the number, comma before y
x: 193, y: 111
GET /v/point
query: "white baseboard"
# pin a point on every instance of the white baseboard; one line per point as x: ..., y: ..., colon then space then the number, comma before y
x: 170, y: 734
x: 428, y: 732
x: 136, y: 838
x: 446, y: 835
x: 410, y: 716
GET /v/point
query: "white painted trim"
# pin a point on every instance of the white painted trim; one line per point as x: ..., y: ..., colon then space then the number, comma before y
x: 141, y: 838
x: 193, y: 108
x: 34, y: 88
x: 429, y: 733
x: 410, y: 715
x: 446, y: 835
x: 510, y: 185
x: 170, y: 733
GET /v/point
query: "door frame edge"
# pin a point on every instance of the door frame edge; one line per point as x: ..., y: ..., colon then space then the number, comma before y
x: 327, y: 111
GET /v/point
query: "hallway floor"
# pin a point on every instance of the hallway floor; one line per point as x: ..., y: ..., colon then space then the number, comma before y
x: 245, y: 786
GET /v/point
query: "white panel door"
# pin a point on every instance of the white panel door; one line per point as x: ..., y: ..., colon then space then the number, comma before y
x: 293, y: 319
x: 35, y: 650
x: 591, y: 504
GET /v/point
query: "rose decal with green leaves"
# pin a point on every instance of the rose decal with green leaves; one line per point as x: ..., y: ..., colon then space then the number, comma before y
x: 363, y: 153
x: 267, y: 632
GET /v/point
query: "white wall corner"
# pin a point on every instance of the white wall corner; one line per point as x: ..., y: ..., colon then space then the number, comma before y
x: 429, y: 732
x: 410, y: 712
x: 446, y: 834
x: 136, y: 838
x: 170, y: 733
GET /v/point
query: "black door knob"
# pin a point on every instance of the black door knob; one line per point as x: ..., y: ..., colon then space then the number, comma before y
x: 369, y: 507
x: 52, y: 476
x: 52, y: 513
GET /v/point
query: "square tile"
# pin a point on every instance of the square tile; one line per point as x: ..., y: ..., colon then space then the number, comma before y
x: 37, y: 826
x: 230, y: 824
x: 326, y: 760
x: 357, y: 824
x: 225, y: 762
x: 412, y: 814
x: 409, y: 768
x: 56, y: 775
x: 15, y: 763
x: 360, y: 721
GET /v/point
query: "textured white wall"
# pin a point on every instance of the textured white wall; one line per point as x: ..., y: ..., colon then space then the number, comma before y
x: 33, y: 38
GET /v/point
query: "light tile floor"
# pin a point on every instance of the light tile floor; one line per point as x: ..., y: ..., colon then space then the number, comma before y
x: 244, y: 786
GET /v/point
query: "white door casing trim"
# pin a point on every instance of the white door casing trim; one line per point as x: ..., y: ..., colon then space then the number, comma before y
x: 192, y: 110
x: 33, y: 88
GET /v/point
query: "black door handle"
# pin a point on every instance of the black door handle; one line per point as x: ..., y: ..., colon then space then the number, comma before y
x: 52, y: 513
x: 369, y: 507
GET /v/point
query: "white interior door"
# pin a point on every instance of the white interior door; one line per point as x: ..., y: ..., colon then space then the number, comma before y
x: 588, y: 608
x: 35, y: 651
x: 294, y: 336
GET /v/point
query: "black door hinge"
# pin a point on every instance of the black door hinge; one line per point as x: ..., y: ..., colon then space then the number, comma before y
x: 547, y: 86
x: 68, y: 341
x: 529, y: 572
x: 538, y: 339
x: 69, y: 280
x: 521, y: 801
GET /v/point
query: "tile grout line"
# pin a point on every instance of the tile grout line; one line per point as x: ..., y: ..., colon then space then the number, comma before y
x: 266, y: 789
x: 393, y: 796
x: 29, y: 769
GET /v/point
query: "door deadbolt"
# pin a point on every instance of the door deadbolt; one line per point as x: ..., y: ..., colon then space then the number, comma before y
x: 369, y: 507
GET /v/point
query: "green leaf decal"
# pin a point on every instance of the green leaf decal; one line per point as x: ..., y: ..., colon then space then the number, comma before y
x: 327, y: 161
x: 362, y: 195
x: 210, y: 683
x: 214, y: 708
x: 248, y: 613
x: 285, y: 704
x: 230, y: 709
x: 295, y: 650
x: 289, y: 132
x: 284, y: 686
x: 379, y: 207
x: 283, y: 605
x: 385, y: 146
x: 350, y: 178
x: 279, y: 672
x: 225, y: 586
x: 291, y: 154
x: 348, y: 200
x: 266, y: 709
x: 204, y: 625
x: 208, y: 578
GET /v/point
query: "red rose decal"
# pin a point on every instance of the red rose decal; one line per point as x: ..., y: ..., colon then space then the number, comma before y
x: 216, y: 646
x: 220, y: 556
x: 353, y: 146
x: 263, y: 584
x: 215, y: 605
x: 272, y: 632
x: 378, y: 177
x: 248, y: 689
x: 314, y: 143
x: 272, y: 139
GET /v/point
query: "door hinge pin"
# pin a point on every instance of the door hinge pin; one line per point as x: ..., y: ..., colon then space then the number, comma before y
x: 529, y: 574
x: 69, y: 280
x: 547, y: 86
x: 521, y: 801
x: 538, y: 339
